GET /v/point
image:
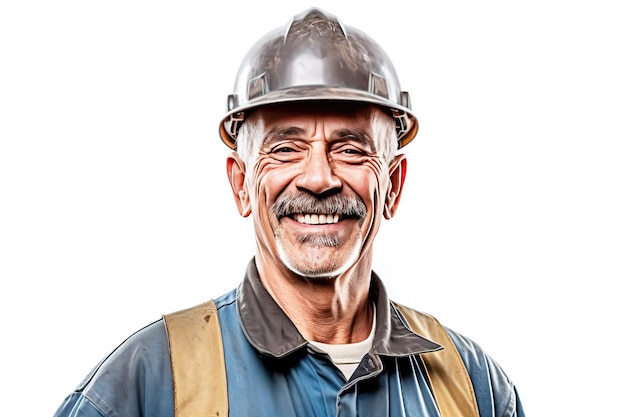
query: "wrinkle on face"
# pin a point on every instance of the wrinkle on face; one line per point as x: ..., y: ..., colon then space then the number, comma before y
x: 319, y: 155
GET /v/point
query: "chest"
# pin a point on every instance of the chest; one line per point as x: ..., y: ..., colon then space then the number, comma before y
x: 308, y: 384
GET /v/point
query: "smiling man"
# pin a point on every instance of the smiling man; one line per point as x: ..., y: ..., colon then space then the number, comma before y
x: 321, y: 177
x: 314, y: 124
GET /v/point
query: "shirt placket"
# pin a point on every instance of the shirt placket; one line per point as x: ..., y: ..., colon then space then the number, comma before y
x: 347, y: 398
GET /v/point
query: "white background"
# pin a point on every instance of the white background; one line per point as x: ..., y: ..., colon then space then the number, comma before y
x: 115, y: 206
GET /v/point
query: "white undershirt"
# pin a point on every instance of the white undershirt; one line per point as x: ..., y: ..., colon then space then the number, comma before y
x: 347, y: 356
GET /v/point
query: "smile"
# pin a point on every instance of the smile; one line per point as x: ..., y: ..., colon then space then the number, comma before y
x: 317, y: 218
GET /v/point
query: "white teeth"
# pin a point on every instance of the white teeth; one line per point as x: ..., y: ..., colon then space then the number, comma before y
x: 317, y: 218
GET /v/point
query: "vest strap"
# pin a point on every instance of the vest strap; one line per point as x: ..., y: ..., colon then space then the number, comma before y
x: 198, y: 367
x: 451, y: 384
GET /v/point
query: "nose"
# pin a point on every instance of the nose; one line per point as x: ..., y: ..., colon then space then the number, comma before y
x: 318, y: 176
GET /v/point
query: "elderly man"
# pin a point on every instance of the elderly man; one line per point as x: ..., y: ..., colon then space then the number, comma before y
x: 315, y: 123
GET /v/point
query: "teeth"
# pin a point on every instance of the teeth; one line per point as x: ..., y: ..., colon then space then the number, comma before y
x: 317, y: 218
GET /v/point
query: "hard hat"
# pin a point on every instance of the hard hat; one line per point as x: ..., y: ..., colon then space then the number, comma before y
x: 315, y: 58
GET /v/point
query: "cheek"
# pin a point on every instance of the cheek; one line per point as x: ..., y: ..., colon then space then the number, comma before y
x: 270, y: 179
x: 366, y: 179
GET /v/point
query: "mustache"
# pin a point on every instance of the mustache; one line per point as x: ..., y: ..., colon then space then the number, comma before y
x: 345, y: 206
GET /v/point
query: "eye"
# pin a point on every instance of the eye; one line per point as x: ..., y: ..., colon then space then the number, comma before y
x: 283, y: 149
x: 286, y: 151
x: 349, y: 150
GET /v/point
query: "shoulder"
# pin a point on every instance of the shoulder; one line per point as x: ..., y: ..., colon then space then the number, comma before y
x: 495, y: 393
x: 138, y: 356
x: 492, y: 387
x: 226, y: 300
x: 134, y: 380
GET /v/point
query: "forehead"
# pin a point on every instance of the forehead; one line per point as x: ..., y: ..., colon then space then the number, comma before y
x: 335, y: 115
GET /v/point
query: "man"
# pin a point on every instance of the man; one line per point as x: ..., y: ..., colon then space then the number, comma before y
x: 316, y: 120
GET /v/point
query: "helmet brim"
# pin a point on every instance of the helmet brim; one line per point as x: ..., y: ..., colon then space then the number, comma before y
x: 228, y: 133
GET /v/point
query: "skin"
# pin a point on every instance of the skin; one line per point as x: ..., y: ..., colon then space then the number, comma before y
x: 312, y: 151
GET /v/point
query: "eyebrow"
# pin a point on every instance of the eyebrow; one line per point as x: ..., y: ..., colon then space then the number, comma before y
x: 359, y: 135
x: 278, y: 133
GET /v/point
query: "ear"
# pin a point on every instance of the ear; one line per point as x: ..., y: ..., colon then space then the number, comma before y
x: 236, y: 171
x: 397, y: 172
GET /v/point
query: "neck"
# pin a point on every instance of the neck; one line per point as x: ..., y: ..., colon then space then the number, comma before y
x: 327, y: 310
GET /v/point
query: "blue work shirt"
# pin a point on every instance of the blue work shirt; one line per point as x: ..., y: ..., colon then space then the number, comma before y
x: 273, y: 371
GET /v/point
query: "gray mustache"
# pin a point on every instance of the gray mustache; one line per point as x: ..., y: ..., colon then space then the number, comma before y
x: 304, y: 203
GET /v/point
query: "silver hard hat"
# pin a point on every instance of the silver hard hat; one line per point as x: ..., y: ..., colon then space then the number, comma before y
x: 314, y: 58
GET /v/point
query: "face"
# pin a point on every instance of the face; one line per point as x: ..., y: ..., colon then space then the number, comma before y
x: 319, y: 187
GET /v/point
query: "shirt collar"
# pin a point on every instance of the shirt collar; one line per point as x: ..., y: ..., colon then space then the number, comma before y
x: 272, y: 333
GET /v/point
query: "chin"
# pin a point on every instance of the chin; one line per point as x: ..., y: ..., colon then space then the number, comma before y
x: 306, y: 268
